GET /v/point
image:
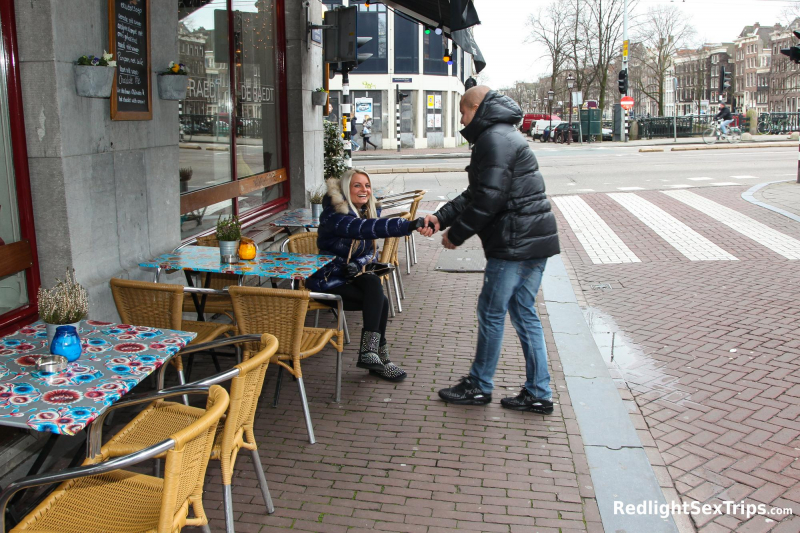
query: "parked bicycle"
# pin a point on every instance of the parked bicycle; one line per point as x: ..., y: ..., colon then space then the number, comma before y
x: 773, y: 123
x: 713, y: 134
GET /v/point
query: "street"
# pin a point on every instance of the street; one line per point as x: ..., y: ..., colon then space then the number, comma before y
x: 607, y: 168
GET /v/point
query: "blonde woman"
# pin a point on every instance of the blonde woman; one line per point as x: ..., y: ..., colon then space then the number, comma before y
x: 348, y: 228
x: 366, y: 131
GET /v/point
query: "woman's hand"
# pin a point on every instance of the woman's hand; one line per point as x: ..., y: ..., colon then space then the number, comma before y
x: 431, y: 226
x: 352, y: 270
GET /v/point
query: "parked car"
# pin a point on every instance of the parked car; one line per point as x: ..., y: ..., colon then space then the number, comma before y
x: 608, y: 134
x: 530, y: 118
x: 560, y: 132
x: 541, y: 124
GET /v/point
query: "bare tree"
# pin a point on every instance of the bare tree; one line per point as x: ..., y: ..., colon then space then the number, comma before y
x: 661, y: 32
x: 604, y: 29
x: 551, y: 28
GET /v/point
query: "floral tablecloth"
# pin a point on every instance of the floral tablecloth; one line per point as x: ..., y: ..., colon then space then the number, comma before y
x: 114, y: 359
x: 295, y: 218
x: 268, y: 264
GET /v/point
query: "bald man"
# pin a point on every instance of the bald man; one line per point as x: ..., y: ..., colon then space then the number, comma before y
x: 506, y: 206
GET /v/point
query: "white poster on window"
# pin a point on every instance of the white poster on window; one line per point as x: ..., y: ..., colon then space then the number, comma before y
x: 431, y: 121
x: 363, y: 109
x: 437, y: 121
x: 437, y: 101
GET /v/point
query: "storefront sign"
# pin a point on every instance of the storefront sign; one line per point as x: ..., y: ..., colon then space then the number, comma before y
x: 129, y: 38
x: 363, y: 108
x: 401, y: 80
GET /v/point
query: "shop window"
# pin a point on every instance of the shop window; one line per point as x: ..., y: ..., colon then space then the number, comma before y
x: 433, y: 46
x: 231, y: 135
x: 406, y: 45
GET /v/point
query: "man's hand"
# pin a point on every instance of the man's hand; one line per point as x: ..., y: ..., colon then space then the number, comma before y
x: 446, y: 242
x: 427, y: 231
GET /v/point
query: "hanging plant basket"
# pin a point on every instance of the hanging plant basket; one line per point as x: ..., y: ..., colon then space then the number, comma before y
x: 94, y: 81
x: 319, y: 98
x: 172, y: 86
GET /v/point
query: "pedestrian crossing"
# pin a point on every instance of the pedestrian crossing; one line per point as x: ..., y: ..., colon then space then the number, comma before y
x: 603, y: 245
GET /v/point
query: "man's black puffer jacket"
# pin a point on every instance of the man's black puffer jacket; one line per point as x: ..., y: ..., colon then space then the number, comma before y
x: 505, y: 203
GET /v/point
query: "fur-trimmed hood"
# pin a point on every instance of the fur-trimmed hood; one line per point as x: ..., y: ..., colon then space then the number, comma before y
x: 338, y: 200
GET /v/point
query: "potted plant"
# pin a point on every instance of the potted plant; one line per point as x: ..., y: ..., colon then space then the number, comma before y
x: 229, y: 231
x: 172, y: 82
x: 334, y: 165
x: 185, y: 176
x: 319, y: 97
x: 66, y: 304
x: 315, y: 199
x: 94, y: 76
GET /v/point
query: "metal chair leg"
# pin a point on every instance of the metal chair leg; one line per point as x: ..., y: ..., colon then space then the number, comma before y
x: 402, y: 287
x: 205, y: 528
x: 397, y: 291
x: 156, y: 467
x: 238, y: 354
x: 227, y: 502
x: 306, y: 412
x: 391, y: 300
x: 277, y: 386
x: 262, y: 480
x: 182, y: 381
x: 316, y: 320
x: 337, y: 396
x: 408, y: 255
x: 346, y: 331
x: 413, y: 249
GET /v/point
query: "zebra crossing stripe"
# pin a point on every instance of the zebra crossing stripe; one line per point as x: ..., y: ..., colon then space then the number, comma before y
x: 764, y: 235
x: 600, y: 242
x: 683, y: 238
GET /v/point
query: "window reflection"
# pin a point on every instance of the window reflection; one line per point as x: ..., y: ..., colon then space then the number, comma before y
x: 204, y: 218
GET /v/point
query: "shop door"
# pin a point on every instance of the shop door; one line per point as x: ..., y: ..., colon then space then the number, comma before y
x: 19, y: 275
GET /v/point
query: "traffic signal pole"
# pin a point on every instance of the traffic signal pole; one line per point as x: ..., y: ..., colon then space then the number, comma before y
x: 793, y: 54
x: 346, y: 117
x: 625, y: 57
x: 397, y: 114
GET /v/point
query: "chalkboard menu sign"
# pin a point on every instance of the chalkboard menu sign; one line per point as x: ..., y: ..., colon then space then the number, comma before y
x: 129, y: 40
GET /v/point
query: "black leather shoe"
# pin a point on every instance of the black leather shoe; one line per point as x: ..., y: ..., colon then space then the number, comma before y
x: 525, y: 401
x: 467, y: 392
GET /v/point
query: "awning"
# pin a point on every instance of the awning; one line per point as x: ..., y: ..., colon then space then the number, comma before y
x: 455, y: 16
x: 466, y: 41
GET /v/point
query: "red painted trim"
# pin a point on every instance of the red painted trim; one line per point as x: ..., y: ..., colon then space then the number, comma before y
x: 21, y: 172
x: 232, y: 112
x: 280, y: 14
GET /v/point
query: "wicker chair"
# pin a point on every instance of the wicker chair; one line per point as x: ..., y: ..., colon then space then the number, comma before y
x: 282, y: 313
x: 389, y: 256
x: 306, y: 243
x: 99, y: 496
x: 214, y: 304
x: 401, y: 199
x: 156, y: 422
x: 160, y: 305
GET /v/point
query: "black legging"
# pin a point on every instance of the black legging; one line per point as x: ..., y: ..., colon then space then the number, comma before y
x: 367, y: 141
x: 365, y: 293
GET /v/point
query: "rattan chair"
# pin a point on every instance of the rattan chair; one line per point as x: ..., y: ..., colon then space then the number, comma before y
x: 214, y: 304
x: 306, y: 243
x: 160, y: 305
x: 389, y: 255
x: 282, y: 313
x: 159, y: 419
x: 411, y: 199
x: 99, y: 496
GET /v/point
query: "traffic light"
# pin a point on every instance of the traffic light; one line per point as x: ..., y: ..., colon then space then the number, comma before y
x: 794, y: 51
x: 623, y: 82
x: 361, y: 56
x: 724, y: 80
x: 341, y: 41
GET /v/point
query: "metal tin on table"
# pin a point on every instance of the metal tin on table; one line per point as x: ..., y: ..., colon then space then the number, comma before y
x: 51, y: 363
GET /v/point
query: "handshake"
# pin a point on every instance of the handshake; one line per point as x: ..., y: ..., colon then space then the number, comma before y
x: 426, y: 226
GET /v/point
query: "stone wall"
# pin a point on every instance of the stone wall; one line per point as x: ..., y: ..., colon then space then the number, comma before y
x: 105, y: 193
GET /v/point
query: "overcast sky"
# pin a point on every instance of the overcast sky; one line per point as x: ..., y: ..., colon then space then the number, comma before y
x: 502, y: 32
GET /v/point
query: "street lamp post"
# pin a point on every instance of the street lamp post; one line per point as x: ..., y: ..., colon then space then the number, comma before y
x: 550, y: 95
x: 570, y: 85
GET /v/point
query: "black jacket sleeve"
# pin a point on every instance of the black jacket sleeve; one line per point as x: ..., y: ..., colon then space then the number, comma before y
x: 495, y: 170
x: 450, y: 211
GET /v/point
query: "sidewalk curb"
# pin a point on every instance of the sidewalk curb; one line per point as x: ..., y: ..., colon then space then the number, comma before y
x: 749, y: 195
x: 619, y: 467
x: 775, y: 144
x: 412, y: 170
x: 394, y: 155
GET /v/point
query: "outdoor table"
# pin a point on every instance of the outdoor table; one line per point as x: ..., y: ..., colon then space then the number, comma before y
x: 206, y: 259
x: 295, y: 218
x: 115, y: 358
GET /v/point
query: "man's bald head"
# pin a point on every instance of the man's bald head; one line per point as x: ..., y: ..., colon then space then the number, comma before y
x: 471, y: 101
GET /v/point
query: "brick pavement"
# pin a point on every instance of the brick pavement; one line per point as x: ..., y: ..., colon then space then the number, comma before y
x: 713, y: 374
x: 393, y: 457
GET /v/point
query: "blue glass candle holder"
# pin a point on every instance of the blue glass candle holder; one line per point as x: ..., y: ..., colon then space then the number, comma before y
x: 67, y: 343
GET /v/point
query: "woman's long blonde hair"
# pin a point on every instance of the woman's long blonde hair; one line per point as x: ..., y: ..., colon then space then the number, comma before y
x: 372, y: 209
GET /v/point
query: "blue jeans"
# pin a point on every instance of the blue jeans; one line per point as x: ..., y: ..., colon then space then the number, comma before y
x: 723, y: 127
x: 511, y: 287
